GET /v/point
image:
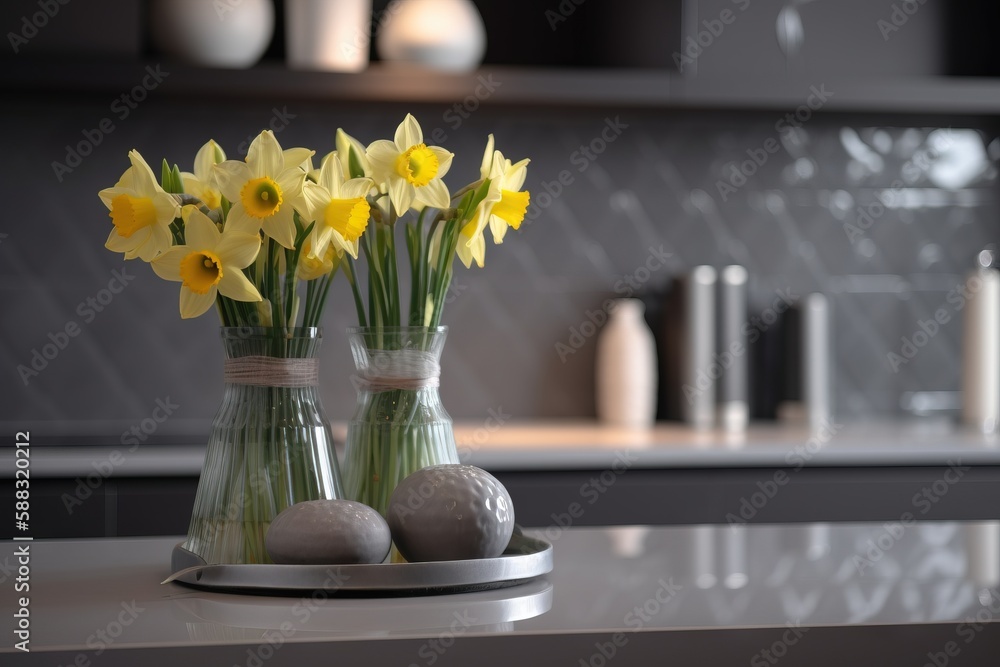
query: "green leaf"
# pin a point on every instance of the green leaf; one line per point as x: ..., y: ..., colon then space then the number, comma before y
x: 465, y: 204
x: 354, y: 164
x: 178, y: 181
x: 478, y: 195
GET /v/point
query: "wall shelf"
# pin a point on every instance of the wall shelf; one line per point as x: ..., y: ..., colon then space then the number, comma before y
x: 625, y: 88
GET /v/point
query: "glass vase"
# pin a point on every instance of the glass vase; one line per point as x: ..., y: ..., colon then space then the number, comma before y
x: 270, y: 445
x: 399, y: 424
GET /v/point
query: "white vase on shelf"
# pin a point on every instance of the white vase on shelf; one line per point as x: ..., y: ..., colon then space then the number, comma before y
x: 446, y: 35
x: 231, y: 34
x: 626, y: 368
x: 323, y: 35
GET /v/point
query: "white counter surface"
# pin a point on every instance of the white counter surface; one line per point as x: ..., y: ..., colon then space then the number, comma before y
x: 645, y: 585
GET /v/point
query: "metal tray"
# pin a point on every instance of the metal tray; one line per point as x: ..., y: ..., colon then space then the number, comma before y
x: 525, y: 558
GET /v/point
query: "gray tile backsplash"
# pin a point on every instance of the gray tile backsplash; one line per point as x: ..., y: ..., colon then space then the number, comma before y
x: 657, y: 184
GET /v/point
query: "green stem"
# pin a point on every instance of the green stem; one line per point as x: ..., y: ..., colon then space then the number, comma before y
x: 352, y: 278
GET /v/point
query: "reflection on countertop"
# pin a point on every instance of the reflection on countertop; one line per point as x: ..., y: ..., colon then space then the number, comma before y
x: 624, y: 579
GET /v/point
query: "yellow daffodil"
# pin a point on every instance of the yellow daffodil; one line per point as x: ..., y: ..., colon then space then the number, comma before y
x: 266, y: 189
x: 503, y: 206
x: 339, y: 208
x: 312, y: 267
x: 506, y: 179
x: 210, y: 263
x: 141, y: 212
x: 410, y: 170
x: 345, y: 143
x: 200, y: 182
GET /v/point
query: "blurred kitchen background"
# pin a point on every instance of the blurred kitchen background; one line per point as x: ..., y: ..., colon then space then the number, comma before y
x: 650, y: 110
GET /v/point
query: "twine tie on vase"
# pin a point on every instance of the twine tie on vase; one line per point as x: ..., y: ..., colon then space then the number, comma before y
x: 272, y: 371
x: 408, y: 370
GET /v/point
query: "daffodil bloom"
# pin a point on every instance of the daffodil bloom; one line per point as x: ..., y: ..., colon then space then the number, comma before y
x: 266, y: 190
x: 410, y: 170
x: 141, y: 212
x: 210, y: 263
x: 200, y: 182
x: 339, y: 207
x: 506, y: 179
x: 311, y: 267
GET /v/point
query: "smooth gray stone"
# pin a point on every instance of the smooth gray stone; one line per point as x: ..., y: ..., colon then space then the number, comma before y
x: 450, y: 512
x: 328, y: 532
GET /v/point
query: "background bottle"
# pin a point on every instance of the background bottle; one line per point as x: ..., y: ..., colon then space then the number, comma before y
x: 981, y: 348
x: 626, y: 368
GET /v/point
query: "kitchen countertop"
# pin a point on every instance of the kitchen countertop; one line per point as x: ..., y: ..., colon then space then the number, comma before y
x: 586, y: 445
x: 858, y: 594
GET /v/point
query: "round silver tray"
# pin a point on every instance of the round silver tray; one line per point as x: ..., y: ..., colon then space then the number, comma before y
x: 525, y: 558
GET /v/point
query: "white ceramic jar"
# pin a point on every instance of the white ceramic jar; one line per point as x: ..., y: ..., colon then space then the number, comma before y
x: 626, y: 368
x: 225, y: 33
x: 332, y: 35
x: 446, y: 35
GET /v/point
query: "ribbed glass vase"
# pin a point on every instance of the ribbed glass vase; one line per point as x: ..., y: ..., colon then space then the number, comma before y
x: 399, y: 424
x: 270, y: 445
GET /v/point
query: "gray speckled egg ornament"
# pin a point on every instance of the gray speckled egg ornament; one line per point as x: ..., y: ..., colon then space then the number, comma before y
x: 450, y: 512
x: 328, y: 532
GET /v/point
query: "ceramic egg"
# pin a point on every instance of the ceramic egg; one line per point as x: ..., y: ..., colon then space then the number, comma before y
x: 328, y: 532
x: 450, y: 512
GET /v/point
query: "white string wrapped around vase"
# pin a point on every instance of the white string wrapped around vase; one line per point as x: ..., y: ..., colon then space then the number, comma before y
x: 407, y: 370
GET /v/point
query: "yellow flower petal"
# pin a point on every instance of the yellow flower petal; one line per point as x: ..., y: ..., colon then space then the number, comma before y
x: 265, y: 157
x: 194, y: 304
x: 434, y: 194
x: 471, y: 246
x: 235, y: 285
x: 238, y: 250
x: 444, y: 159
x: 239, y: 221
x: 484, y: 167
x: 207, y: 157
x: 297, y: 158
x: 229, y: 177
x: 401, y: 195
x: 144, y: 180
x: 408, y: 133
x: 200, y: 233
x: 281, y: 227
x: 117, y: 243
x: 168, y: 265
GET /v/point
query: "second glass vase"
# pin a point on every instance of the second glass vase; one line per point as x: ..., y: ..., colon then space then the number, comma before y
x: 399, y: 424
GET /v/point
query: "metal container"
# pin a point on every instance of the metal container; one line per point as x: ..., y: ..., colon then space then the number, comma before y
x: 733, y: 355
x: 690, y: 342
x: 817, y: 360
